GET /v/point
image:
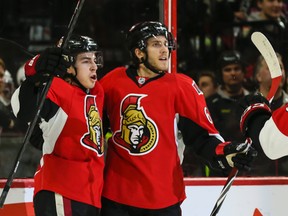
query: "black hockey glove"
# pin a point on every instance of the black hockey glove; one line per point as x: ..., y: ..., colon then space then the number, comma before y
x: 252, y: 106
x: 235, y: 154
x: 52, y: 62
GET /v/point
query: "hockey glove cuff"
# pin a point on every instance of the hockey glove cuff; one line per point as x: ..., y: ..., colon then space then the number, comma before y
x: 252, y: 105
x: 234, y: 154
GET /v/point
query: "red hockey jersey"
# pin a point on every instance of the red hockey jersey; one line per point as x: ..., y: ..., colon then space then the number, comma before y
x: 273, y: 136
x: 142, y: 165
x: 72, y: 163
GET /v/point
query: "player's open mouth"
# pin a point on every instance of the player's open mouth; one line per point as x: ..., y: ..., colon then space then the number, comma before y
x: 94, y: 77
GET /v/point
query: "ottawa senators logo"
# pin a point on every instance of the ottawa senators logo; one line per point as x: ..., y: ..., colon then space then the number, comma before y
x: 93, y: 140
x: 138, y: 133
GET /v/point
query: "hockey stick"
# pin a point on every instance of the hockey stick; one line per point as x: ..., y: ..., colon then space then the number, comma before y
x: 226, y: 187
x: 5, y: 43
x: 268, y: 53
x: 224, y: 191
x: 15, y: 58
x: 37, y: 115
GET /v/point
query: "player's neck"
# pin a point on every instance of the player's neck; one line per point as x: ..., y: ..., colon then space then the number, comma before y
x: 145, y: 72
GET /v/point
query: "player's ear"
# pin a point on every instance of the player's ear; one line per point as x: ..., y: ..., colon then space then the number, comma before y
x: 71, y: 70
x: 140, y: 54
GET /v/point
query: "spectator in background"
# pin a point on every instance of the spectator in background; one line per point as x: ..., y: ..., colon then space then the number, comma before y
x: 272, y: 22
x: 9, y: 88
x: 263, y: 166
x: 243, y: 9
x: 20, y: 75
x: 224, y: 109
x: 207, y: 83
x: 7, y: 84
x: 7, y: 120
x: 268, y: 9
x: 263, y: 79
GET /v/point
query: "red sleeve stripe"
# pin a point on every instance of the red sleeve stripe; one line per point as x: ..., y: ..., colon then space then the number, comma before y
x: 30, y: 66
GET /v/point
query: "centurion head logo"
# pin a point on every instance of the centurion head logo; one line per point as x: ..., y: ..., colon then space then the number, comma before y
x: 93, y: 139
x: 138, y: 134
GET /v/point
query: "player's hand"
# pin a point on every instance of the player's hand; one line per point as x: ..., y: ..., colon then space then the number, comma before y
x: 235, y: 154
x: 252, y: 106
x: 52, y: 62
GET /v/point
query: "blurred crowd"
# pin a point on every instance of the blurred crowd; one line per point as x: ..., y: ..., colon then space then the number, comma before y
x: 223, y: 88
x: 12, y: 131
x: 240, y: 70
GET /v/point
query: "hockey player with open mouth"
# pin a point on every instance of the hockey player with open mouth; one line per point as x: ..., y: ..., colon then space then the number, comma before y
x: 69, y: 178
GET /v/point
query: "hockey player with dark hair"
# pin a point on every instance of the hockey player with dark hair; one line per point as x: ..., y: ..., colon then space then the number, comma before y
x: 69, y: 179
x: 142, y: 174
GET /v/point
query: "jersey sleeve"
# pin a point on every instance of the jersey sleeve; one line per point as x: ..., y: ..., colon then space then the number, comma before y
x: 24, y: 101
x: 59, y: 91
x: 273, y: 136
x: 196, y: 124
x: 191, y: 104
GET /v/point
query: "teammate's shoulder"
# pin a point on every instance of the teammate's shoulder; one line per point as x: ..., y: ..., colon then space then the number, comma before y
x: 177, y: 75
x: 118, y: 71
x: 60, y: 82
x: 98, y: 91
x: 97, y: 88
x: 182, y: 78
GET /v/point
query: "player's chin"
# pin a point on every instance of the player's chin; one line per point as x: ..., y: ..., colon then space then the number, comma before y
x: 90, y: 85
x: 163, y: 67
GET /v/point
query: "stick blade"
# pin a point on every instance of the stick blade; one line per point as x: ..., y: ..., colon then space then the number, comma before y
x: 268, y: 53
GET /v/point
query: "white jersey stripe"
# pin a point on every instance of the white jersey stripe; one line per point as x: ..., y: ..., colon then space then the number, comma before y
x: 59, y: 205
x: 273, y: 142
